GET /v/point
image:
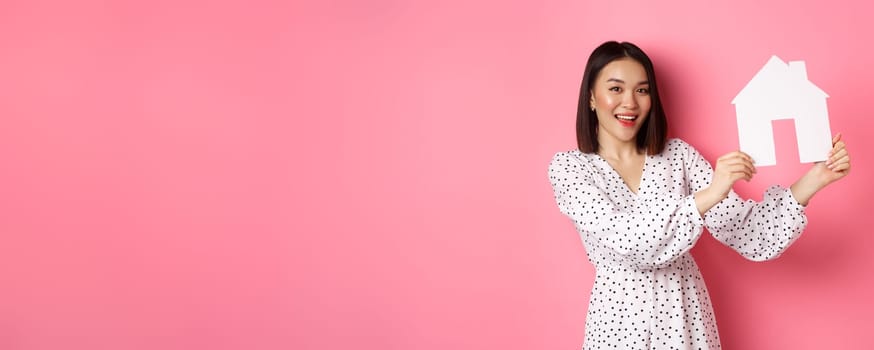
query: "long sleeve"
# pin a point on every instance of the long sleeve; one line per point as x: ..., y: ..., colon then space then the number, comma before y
x: 759, y: 231
x: 650, y: 237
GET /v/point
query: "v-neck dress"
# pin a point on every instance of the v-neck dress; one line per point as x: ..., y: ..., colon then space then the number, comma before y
x: 648, y: 291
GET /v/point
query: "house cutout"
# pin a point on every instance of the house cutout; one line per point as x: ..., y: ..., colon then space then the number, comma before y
x: 782, y: 91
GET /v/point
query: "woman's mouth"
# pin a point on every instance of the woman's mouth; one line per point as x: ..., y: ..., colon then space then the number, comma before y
x: 626, y: 120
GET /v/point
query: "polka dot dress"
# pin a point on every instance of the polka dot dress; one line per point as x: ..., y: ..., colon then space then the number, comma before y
x: 648, y: 291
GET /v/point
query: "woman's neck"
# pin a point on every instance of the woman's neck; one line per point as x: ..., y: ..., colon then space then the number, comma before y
x: 613, y: 149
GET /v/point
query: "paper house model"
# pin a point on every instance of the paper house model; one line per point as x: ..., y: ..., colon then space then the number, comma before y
x: 782, y: 91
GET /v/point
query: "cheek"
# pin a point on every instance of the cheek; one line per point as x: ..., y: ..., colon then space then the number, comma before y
x: 607, y: 102
x: 645, y: 103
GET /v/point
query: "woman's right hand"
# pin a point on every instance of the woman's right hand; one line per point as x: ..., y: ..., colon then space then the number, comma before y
x: 729, y: 168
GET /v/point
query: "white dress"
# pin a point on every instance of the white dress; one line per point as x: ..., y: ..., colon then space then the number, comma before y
x: 648, y: 291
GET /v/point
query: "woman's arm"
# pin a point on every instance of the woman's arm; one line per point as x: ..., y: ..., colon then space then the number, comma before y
x: 759, y: 230
x: 649, y: 239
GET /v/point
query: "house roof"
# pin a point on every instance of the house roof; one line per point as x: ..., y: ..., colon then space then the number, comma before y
x: 779, y: 80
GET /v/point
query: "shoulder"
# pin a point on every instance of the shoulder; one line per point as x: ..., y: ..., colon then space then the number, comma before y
x: 570, y: 169
x: 569, y: 161
x: 677, y: 148
x: 675, y: 144
x: 569, y: 158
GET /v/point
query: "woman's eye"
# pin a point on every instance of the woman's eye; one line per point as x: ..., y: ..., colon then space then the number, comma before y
x: 643, y: 91
x: 615, y: 89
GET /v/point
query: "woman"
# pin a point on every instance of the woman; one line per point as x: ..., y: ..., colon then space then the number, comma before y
x: 640, y: 201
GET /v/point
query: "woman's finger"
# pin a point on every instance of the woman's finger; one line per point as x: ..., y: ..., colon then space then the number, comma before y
x: 838, y: 155
x: 843, y: 167
x: 741, y: 175
x: 745, y: 157
x: 740, y: 168
x: 735, y: 154
x: 843, y: 160
x: 837, y: 147
x: 741, y: 162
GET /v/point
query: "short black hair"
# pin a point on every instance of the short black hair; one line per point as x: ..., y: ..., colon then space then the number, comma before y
x: 653, y: 134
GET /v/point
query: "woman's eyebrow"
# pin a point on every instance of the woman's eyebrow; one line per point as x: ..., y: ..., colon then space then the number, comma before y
x: 617, y: 80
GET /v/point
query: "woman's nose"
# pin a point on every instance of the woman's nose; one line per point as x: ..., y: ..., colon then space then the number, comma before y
x: 628, y: 101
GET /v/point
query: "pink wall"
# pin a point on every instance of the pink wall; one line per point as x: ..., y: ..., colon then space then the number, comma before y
x: 372, y: 175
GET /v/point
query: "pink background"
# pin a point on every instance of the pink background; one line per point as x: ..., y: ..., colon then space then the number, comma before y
x: 372, y: 174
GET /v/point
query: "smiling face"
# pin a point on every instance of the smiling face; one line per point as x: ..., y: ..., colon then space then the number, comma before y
x: 620, y: 97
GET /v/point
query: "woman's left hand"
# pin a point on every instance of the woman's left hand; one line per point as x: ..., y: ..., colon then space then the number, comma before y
x: 836, y: 167
x: 823, y: 173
